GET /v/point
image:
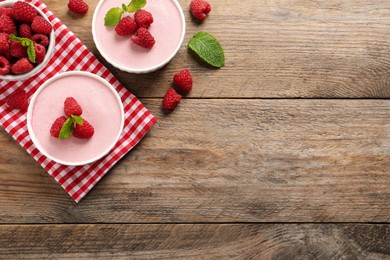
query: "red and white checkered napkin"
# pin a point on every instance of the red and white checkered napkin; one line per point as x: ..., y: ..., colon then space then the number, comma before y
x: 70, y: 54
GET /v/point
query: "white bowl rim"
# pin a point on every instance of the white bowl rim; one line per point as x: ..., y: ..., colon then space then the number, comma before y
x: 48, y: 82
x: 144, y: 70
x: 49, y: 53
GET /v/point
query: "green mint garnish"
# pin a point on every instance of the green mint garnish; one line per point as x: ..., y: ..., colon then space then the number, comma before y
x: 26, y: 42
x: 114, y: 15
x: 67, y: 128
x: 77, y: 119
x: 208, y: 49
x: 136, y: 5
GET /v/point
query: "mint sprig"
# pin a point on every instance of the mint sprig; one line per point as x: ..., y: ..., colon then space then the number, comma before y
x: 68, y: 127
x: 26, y: 42
x: 114, y: 15
x: 208, y: 49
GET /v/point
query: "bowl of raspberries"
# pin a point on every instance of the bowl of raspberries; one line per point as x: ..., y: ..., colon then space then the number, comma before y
x: 26, y: 40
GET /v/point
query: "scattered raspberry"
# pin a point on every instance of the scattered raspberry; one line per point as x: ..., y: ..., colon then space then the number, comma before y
x: 25, y: 30
x: 143, y: 38
x: 24, y: 12
x: 40, y: 53
x: 200, y: 9
x: 78, y: 6
x: 56, y: 126
x: 40, y: 25
x: 71, y: 107
x: 5, y: 67
x: 126, y: 26
x: 171, y: 99
x: 17, y: 50
x: 183, y: 80
x: 22, y: 66
x: 83, y: 131
x: 7, y: 25
x: 143, y: 18
x: 4, y: 42
x: 40, y: 39
x: 17, y: 100
x: 6, y: 11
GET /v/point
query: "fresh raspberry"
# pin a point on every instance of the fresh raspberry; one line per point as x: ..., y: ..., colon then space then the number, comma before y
x: 5, y: 67
x: 6, y: 11
x: 24, y: 12
x: 22, y: 66
x: 7, y: 25
x: 56, y: 126
x: 200, y: 9
x: 18, y: 50
x: 83, y: 131
x: 17, y: 100
x: 143, y: 38
x: 40, y: 39
x: 183, y: 80
x: 71, y: 107
x: 40, y: 53
x: 4, y: 42
x: 126, y: 26
x: 171, y: 99
x: 40, y: 25
x: 25, y: 30
x: 143, y: 18
x: 78, y: 6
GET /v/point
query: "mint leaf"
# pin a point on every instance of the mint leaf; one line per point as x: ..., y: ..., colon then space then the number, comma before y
x: 208, y: 49
x: 113, y: 16
x: 67, y: 128
x: 31, y: 52
x: 136, y: 5
x: 77, y: 119
x: 14, y: 38
x: 124, y: 7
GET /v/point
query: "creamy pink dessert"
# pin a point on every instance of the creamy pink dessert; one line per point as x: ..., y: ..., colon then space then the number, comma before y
x: 167, y: 30
x: 100, y: 108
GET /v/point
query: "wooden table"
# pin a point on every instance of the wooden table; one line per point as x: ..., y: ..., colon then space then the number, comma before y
x: 283, y: 154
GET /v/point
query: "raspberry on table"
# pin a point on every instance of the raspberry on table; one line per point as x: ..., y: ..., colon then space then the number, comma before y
x: 40, y: 39
x: 171, y: 99
x: 143, y: 18
x: 18, y: 50
x: 21, y: 66
x: 200, y: 9
x: 126, y: 26
x: 40, y: 53
x: 5, y: 66
x: 83, y: 131
x: 143, y: 38
x: 56, y: 126
x: 4, y: 42
x: 7, y: 25
x: 17, y: 100
x: 25, y: 30
x: 78, y: 6
x: 72, y: 107
x: 23, y: 12
x: 40, y: 25
x: 183, y: 80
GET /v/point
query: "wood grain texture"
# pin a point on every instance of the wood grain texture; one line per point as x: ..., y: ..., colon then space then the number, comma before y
x: 227, y: 161
x: 274, y: 48
x: 195, y: 241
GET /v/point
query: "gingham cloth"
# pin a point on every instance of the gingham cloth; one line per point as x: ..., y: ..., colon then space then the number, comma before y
x: 70, y: 54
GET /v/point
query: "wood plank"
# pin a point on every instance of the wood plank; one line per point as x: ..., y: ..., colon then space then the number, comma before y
x: 275, y: 48
x: 196, y: 241
x: 227, y: 161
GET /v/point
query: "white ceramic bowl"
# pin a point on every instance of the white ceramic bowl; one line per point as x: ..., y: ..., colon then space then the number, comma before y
x: 151, y: 68
x: 49, y: 53
x: 75, y: 162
